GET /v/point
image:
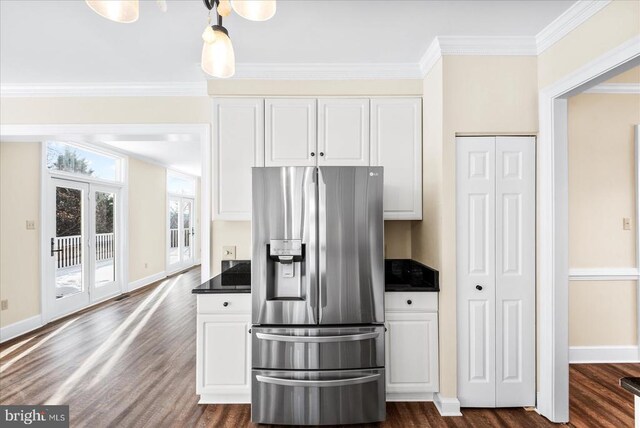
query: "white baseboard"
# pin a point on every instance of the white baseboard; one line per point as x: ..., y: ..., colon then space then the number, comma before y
x: 603, y: 354
x: 20, y: 327
x: 409, y: 396
x: 146, y: 280
x: 447, y: 406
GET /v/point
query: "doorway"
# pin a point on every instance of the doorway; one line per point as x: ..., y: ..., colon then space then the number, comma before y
x: 181, y: 233
x: 84, y: 251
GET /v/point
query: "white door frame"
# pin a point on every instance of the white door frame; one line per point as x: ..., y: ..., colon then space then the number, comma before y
x: 41, y: 132
x: 553, y: 238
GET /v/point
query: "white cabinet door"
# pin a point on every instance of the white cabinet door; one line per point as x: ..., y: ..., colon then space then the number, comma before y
x: 238, y: 145
x: 495, y: 271
x: 412, y: 355
x: 343, y: 132
x: 290, y: 132
x: 396, y: 145
x: 223, y: 361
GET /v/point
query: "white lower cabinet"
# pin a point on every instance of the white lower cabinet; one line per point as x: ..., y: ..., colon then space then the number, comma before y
x: 411, y: 346
x: 223, y: 347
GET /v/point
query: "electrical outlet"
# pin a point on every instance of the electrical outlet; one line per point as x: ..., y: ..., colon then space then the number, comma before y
x: 31, y: 225
x: 4, y: 305
x: 626, y: 223
x: 146, y: 265
x: 229, y: 252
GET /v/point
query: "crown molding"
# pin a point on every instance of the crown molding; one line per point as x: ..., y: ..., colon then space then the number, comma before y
x: 327, y: 71
x: 430, y: 57
x: 615, y: 88
x: 483, y: 45
x: 578, y: 13
x: 124, y: 89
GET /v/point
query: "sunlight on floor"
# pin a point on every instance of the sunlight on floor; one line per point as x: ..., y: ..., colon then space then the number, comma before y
x: 61, y: 393
x: 12, y: 348
x: 9, y: 363
x: 108, y: 366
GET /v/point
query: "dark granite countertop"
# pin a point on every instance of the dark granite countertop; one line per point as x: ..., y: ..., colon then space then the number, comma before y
x: 631, y: 384
x: 235, y: 278
x: 400, y: 275
x: 409, y: 275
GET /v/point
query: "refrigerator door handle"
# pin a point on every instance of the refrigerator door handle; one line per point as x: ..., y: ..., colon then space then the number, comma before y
x: 317, y: 339
x: 317, y: 383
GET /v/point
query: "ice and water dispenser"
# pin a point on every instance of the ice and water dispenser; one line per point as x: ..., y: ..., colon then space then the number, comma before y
x: 284, y: 269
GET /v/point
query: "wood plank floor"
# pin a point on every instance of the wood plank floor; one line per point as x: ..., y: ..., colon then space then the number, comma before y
x: 131, y: 363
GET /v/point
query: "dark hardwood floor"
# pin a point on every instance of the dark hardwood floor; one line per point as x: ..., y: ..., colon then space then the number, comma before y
x: 131, y: 363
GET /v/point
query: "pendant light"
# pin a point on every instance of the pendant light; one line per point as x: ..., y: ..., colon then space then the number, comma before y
x: 255, y: 10
x: 124, y: 11
x: 218, y: 58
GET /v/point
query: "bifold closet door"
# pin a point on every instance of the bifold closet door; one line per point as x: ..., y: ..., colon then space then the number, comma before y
x: 496, y: 271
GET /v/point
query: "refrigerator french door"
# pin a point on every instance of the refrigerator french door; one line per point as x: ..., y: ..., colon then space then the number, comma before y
x: 317, y: 295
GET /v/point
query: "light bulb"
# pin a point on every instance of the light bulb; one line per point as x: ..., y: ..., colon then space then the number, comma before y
x: 124, y: 11
x: 255, y: 10
x: 208, y: 35
x: 218, y: 59
x: 224, y: 8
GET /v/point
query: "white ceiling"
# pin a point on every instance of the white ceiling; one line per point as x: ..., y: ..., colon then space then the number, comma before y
x: 57, y: 42
x: 179, y: 154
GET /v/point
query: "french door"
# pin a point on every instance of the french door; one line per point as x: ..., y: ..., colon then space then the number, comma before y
x: 84, y: 255
x: 181, y: 233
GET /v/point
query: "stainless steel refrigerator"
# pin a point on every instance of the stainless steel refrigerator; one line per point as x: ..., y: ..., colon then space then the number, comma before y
x: 317, y: 274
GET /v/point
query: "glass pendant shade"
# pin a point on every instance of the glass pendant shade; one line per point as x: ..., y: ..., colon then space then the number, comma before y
x: 124, y: 11
x: 255, y: 10
x: 218, y: 59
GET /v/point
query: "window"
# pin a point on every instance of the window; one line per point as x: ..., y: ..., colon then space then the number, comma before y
x: 179, y: 184
x: 71, y: 159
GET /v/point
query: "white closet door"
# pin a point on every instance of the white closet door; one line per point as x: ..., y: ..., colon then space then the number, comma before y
x: 515, y: 271
x: 476, y: 271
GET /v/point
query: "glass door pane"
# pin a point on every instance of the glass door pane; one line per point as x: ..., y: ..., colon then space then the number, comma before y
x: 105, y: 238
x: 174, y: 229
x: 187, y: 230
x: 67, y: 245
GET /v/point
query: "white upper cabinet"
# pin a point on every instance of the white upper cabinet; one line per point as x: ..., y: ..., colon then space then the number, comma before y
x: 290, y: 132
x: 396, y: 145
x: 238, y: 145
x: 378, y: 131
x: 343, y: 132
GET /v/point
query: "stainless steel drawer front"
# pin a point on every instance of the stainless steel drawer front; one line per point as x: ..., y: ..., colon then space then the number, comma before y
x: 318, y: 398
x: 334, y: 348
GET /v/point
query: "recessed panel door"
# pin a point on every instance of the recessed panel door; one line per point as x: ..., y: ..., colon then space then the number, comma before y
x: 476, y: 271
x: 515, y: 271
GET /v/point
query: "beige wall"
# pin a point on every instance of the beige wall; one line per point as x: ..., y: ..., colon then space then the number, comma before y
x: 601, y: 194
x: 147, y: 219
x: 629, y: 76
x: 19, y: 247
x: 601, y: 180
x: 608, y: 28
x: 397, y: 239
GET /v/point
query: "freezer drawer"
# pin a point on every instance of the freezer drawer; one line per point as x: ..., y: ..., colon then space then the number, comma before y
x: 330, y: 348
x: 317, y: 397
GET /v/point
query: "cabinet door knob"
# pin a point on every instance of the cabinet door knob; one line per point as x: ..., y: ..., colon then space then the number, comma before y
x: 479, y: 287
x: 313, y: 154
x: 225, y: 304
x: 321, y: 153
x: 409, y: 302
